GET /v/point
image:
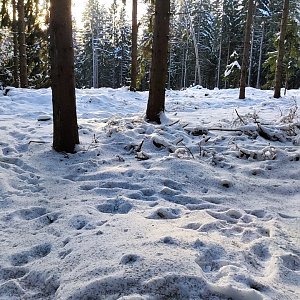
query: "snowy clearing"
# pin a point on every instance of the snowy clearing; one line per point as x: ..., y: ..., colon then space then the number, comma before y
x: 204, y: 206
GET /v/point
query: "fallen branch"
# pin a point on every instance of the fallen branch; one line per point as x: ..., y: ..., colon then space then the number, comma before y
x: 139, y: 147
x: 171, y: 124
x: 38, y: 142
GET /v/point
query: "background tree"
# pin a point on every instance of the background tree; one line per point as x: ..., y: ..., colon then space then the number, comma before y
x: 246, y: 50
x: 159, y: 63
x: 15, y: 45
x: 280, y: 55
x: 134, y: 54
x: 22, y: 44
x: 65, y: 135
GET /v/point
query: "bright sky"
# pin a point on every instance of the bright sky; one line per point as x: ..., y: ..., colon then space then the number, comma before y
x: 79, y: 5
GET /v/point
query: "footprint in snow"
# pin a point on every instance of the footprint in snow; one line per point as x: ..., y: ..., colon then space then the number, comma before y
x: 130, y: 259
x: 8, y: 273
x: 161, y: 213
x: 291, y: 262
x: 115, y: 206
x: 27, y: 214
x: 260, y: 214
x: 41, y: 284
x: 26, y: 256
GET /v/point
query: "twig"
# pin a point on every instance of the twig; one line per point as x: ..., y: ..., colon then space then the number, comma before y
x: 241, y: 119
x: 177, y: 121
x: 38, y: 142
x: 187, y: 149
x: 139, y: 147
x: 224, y: 129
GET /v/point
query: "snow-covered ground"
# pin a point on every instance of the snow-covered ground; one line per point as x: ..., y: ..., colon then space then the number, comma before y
x: 204, y: 206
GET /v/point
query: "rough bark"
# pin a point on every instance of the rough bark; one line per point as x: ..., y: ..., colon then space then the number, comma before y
x: 15, y: 43
x: 247, y: 37
x: 280, y: 55
x: 134, y: 35
x: 65, y: 134
x: 159, y: 63
x: 22, y: 44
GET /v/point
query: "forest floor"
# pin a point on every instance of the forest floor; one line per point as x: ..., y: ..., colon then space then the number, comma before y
x: 203, y: 206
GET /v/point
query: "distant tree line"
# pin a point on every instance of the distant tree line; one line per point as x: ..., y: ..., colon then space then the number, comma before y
x: 206, y: 44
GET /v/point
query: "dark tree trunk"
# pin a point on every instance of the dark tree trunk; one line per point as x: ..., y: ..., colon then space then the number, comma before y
x: 65, y: 135
x: 15, y: 43
x: 245, y: 62
x: 22, y: 44
x: 4, y: 15
x: 134, y: 35
x: 280, y: 55
x: 159, y: 64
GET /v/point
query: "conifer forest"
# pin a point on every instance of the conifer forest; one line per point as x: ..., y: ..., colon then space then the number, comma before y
x: 206, y: 43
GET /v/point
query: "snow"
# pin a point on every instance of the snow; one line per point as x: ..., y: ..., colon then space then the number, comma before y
x: 203, y: 206
x: 230, y: 67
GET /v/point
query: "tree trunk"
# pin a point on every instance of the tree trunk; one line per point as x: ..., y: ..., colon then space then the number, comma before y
x: 260, y: 56
x: 195, y: 43
x: 280, y: 55
x: 219, y: 62
x: 159, y: 64
x: 15, y: 43
x: 134, y: 35
x: 65, y: 135
x: 250, y: 59
x: 22, y: 44
x: 245, y: 61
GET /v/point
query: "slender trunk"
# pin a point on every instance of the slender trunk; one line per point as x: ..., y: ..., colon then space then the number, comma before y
x: 22, y: 44
x: 245, y: 61
x: 16, y: 82
x: 65, y: 127
x: 159, y: 63
x: 287, y: 69
x: 260, y: 56
x: 286, y: 80
x: 219, y: 63
x: 280, y: 55
x: 170, y: 68
x: 227, y: 63
x: 95, y: 62
x: 182, y: 67
x: 185, y: 64
x: 250, y: 59
x: 122, y: 58
x: 134, y: 35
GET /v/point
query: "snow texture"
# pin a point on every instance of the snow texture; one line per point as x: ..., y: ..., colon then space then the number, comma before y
x: 203, y: 206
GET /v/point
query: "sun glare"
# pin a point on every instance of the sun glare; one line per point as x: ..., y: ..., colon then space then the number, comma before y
x: 78, y: 7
